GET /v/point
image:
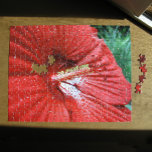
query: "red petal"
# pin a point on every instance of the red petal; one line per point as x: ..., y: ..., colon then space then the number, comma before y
x: 115, y: 91
x: 47, y: 110
x: 19, y: 66
x: 55, y: 111
x: 74, y: 41
x: 88, y: 110
x: 37, y: 42
x: 105, y: 81
x: 30, y: 100
x: 24, y: 93
x: 30, y: 43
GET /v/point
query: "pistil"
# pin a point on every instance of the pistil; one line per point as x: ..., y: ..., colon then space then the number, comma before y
x: 72, y: 73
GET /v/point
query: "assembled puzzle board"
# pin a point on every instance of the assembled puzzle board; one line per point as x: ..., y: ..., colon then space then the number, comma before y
x: 61, y: 73
x: 66, y: 73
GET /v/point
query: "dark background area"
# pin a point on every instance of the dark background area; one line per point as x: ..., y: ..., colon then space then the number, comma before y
x: 34, y: 139
x: 60, y: 8
x: 39, y: 139
x: 64, y: 8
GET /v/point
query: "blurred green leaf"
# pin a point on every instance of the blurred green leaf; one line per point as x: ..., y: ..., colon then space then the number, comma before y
x: 117, y: 39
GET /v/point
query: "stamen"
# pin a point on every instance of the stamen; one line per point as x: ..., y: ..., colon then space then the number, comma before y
x: 72, y: 73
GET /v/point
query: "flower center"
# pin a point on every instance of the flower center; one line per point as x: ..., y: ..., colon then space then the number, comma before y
x: 61, y: 75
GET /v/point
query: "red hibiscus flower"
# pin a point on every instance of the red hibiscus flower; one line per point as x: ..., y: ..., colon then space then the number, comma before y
x: 81, y: 81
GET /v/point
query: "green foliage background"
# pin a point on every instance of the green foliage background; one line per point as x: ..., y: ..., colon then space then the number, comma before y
x: 118, y: 40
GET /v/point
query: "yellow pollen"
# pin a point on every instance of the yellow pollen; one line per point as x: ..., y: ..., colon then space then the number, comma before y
x: 85, y: 66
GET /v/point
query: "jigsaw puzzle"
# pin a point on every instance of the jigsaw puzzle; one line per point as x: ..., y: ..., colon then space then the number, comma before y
x: 69, y: 73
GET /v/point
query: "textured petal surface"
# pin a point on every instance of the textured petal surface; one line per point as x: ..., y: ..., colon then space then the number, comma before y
x: 88, y: 108
x: 96, y: 95
x: 37, y: 42
x: 107, y: 81
x: 30, y: 100
x: 24, y: 93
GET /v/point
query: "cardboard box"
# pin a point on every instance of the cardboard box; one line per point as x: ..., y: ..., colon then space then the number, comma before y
x: 135, y: 7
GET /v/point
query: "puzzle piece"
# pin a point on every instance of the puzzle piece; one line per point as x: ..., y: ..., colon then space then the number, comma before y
x: 142, y: 58
x: 143, y: 68
x: 141, y: 78
x: 138, y: 88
